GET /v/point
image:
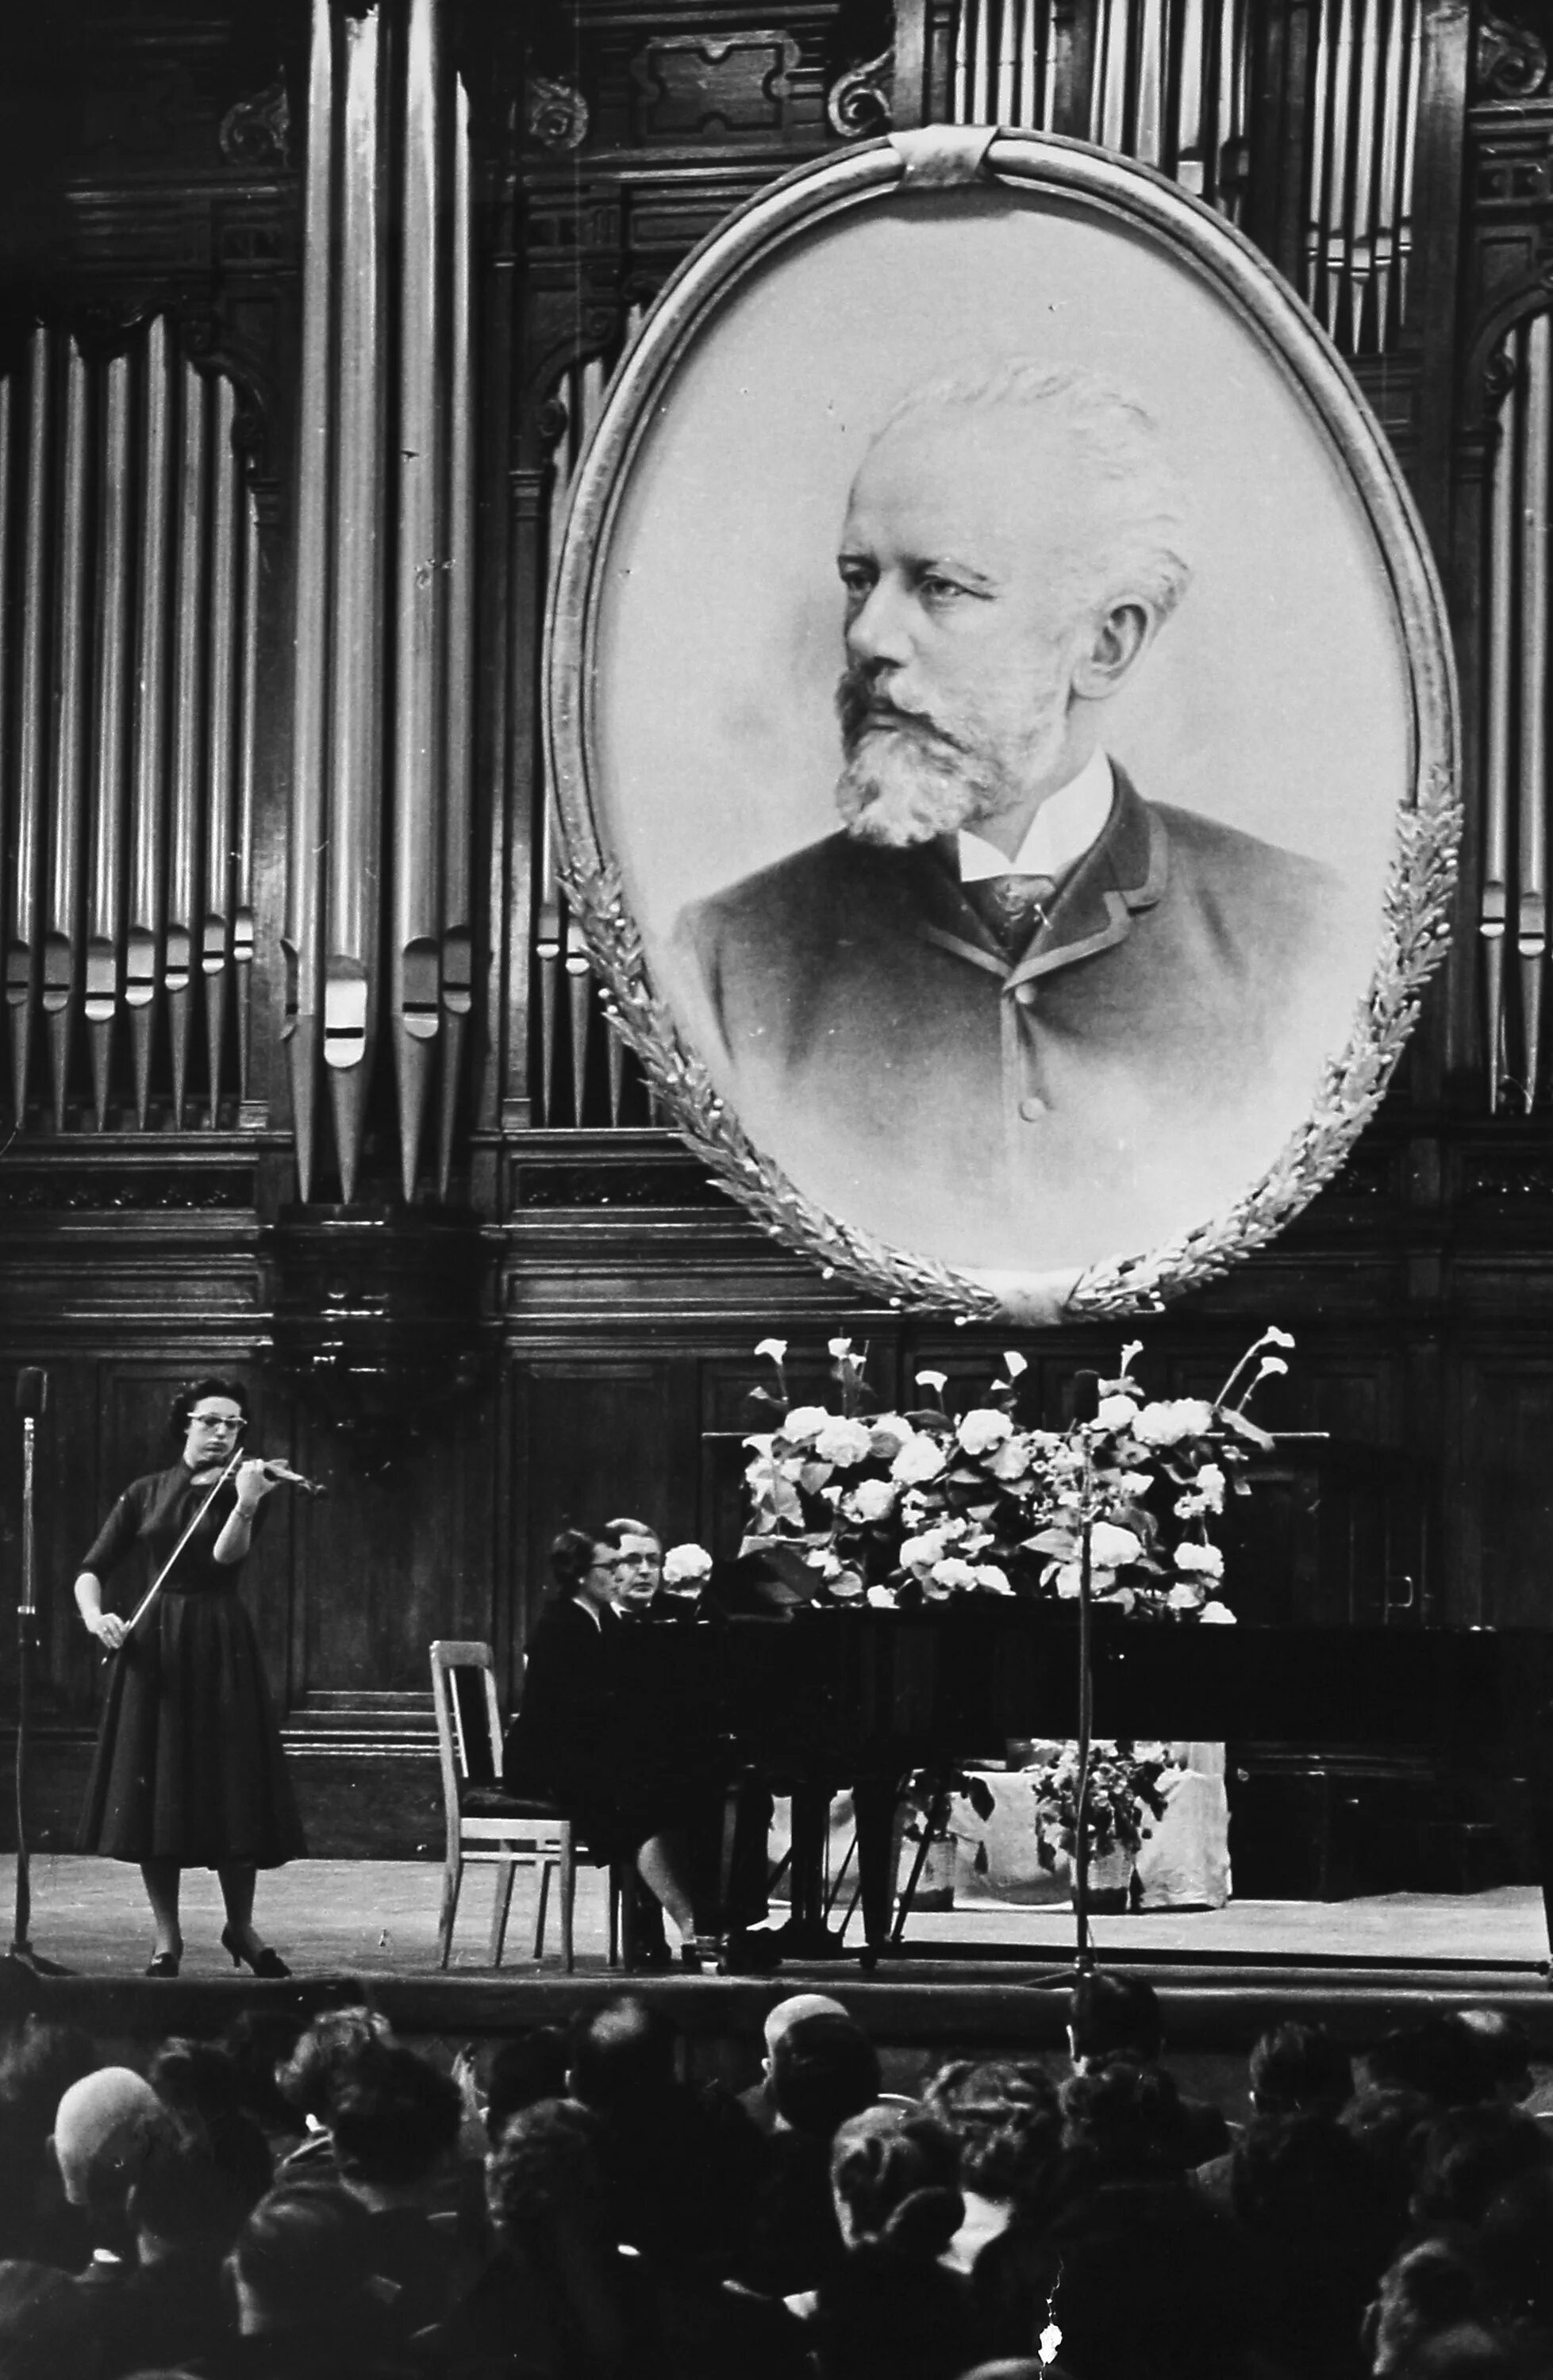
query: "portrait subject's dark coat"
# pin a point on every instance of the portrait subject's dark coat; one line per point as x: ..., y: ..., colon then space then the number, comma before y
x: 1138, y: 1064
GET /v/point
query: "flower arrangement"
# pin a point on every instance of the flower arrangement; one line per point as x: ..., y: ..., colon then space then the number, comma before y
x: 1122, y: 1793
x: 901, y: 1509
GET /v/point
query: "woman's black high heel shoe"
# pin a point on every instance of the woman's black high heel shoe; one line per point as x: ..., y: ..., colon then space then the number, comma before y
x: 164, y: 1965
x: 267, y: 1964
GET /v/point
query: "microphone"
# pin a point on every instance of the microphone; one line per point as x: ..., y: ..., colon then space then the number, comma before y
x: 31, y: 1391
x: 1086, y: 1396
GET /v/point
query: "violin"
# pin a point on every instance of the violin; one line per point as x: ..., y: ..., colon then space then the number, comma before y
x: 275, y: 1468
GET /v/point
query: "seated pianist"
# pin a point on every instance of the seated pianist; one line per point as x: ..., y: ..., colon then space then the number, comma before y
x: 639, y: 1582
x: 579, y: 1739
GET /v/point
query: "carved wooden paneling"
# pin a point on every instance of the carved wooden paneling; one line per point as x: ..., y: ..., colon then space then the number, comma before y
x: 1499, y: 1492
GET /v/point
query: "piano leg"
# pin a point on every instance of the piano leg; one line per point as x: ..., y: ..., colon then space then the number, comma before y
x: 806, y: 1934
x: 1542, y: 1837
x: 874, y: 1801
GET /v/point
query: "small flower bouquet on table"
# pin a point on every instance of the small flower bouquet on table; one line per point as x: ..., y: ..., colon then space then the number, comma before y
x: 1123, y: 1793
x: 903, y: 1510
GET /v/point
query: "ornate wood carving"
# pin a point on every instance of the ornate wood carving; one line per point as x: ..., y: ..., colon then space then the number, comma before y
x: 1510, y: 57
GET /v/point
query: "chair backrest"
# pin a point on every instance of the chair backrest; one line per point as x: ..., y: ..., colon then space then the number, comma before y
x: 467, y: 1720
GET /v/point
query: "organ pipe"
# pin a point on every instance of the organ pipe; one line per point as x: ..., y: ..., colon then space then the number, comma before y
x: 302, y: 941
x: 148, y: 774
x: 356, y: 737
x: 21, y: 965
x: 248, y: 751
x: 61, y: 968
x: 1532, y: 913
x: 215, y: 933
x: 109, y: 692
x: 1493, y: 912
x: 457, y: 948
x: 189, y: 693
x: 7, y: 487
x: 419, y: 596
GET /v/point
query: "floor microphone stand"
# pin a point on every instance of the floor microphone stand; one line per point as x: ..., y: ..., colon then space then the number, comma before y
x: 22, y: 1953
x: 1083, y: 1945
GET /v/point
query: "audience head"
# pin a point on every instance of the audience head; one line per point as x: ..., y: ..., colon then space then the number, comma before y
x: 1008, y: 2120
x: 1298, y: 2068
x: 823, y: 2070
x: 793, y: 2009
x: 1440, y: 2055
x: 1467, y: 2156
x: 545, y: 2175
x: 331, y: 2041
x: 523, y: 2072
x: 1430, y: 2288
x: 1115, y: 2016
x: 46, y: 2331
x: 102, y: 2133
x: 304, y: 2261
x: 37, y: 2064
x: 895, y: 2179
x: 258, y: 2042
x: 185, y: 2199
x: 1504, y: 2048
x: 1128, y: 2118
x: 393, y: 2117
x: 1514, y: 2247
x: 622, y: 2056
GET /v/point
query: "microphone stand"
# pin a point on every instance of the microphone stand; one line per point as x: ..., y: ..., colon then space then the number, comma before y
x: 22, y: 1953
x: 1083, y: 1945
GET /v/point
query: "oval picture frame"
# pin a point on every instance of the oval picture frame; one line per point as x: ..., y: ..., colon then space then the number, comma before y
x: 1297, y: 753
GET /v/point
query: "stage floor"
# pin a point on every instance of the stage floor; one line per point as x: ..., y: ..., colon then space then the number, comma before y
x: 378, y: 1917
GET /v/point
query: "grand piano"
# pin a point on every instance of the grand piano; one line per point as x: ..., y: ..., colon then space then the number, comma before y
x: 813, y: 1700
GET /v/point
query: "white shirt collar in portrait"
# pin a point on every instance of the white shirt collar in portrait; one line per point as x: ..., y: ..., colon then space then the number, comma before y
x: 1062, y: 830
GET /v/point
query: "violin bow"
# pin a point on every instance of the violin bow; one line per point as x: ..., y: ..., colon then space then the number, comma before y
x: 154, y: 1589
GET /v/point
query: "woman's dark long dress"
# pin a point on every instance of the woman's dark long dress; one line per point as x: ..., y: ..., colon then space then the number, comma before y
x: 188, y: 1765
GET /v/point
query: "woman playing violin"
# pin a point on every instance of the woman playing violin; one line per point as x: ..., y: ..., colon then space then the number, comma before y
x: 188, y: 1770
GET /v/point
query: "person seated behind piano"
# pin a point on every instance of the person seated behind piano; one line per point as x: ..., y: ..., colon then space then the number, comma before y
x: 639, y: 1583
x: 577, y: 1738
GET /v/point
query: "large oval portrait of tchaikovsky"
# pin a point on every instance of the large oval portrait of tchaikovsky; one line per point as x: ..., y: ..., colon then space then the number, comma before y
x: 1002, y: 717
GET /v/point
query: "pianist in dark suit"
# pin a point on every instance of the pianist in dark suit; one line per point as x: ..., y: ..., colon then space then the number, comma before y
x: 576, y: 1736
x: 1015, y: 1013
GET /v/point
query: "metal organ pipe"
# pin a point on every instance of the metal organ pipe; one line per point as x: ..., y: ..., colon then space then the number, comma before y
x: 353, y: 904
x: 1494, y: 910
x: 21, y: 961
x: 149, y: 769
x: 248, y: 752
x: 1532, y: 912
x: 109, y: 692
x: 457, y: 946
x: 302, y: 941
x: 61, y: 967
x: 189, y: 693
x: 215, y: 929
x: 420, y: 604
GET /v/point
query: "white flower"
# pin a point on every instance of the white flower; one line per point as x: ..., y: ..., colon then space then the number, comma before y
x: 684, y: 1564
x: 1112, y: 1548
x: 889, y: 1433
x: 1014, y: 1361
x: 1134, y: 1347
x: 953, y: 1574
x: 847, y: 1585
x: 1011, y: 1460
x: 1186, y: 1598
x: 776, y: 1348
x: 1274, y: 1337
x: 840, y: 1347
x: 1049, y: 2343
x: 939, y: 1380
x: 1210, y: 1483
x: 1167, y: 1423
x: 1192, y: 1507
x: 1215, y: 1614
x: 1115, y: 1413
x: 921, y: 1458
x: 843, y: 1442
x: 1068, y: 1579
x: 882, y: 1598
x: 921, y: 1553
x: 1134, y: 1483
x: 980, y: 1431
x: 803, y: 1423
x: 1200, y: 1562
x: 871, y: 1499
x: 995, y: 1581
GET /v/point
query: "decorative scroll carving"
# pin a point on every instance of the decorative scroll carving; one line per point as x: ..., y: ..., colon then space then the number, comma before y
x: 1511, y: 62
x: 861, y: 102
x: 555, y: 113
x: 257, y: 132
x: 125, y: 1191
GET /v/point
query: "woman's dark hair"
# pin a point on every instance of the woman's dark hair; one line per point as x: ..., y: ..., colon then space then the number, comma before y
x: 574, y: 1551
x: 187, y: 1399
x: 331, y: 2041
x: 896, y: 2170
x: 306, y: 2253
x: 1005, y: 2114
x: 392, y: 2115
x: 547, y: 2168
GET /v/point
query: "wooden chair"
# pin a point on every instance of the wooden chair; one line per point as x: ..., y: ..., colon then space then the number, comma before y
x: 487, y: 1825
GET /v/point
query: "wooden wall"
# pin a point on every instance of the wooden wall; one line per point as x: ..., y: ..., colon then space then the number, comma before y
x: 571, y: 1331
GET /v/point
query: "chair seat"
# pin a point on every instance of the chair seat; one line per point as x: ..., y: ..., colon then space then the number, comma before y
x: 491, y: 1801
